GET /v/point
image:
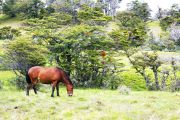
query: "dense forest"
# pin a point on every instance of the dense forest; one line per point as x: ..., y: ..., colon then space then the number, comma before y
x: 95, y: 43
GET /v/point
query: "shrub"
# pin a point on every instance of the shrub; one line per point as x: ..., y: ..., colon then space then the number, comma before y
x: 8, y: 33
x: 19, y: 82
x: 124, y: 90
x: 133, y: 80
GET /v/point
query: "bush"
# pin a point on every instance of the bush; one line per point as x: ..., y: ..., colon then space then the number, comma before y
x: 133, y: 80
x: 124, y: 90
x: 26, y: 53
x: 19, y: 82
x: 8, y: 33
x: 111, y: 81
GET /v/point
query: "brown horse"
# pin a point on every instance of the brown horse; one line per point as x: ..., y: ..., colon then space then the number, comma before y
x: 45, y: 75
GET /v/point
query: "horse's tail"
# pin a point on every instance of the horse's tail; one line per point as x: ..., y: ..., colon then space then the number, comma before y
x: 28, y: 80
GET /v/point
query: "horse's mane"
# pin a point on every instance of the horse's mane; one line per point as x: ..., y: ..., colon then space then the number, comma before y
x: 66, y: 75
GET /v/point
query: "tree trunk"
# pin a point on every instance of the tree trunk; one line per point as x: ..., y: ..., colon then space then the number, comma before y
x: 156, y: 79
x: 146, y: 78
x: 163, y: 84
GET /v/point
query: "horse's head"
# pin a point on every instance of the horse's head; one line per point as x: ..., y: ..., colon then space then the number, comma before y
x: 69, y: 89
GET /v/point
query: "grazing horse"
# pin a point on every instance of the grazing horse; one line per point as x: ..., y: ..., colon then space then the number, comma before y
x: 45, y: 75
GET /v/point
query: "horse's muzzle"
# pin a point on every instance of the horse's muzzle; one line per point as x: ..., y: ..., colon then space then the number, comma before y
x: 70, y: 95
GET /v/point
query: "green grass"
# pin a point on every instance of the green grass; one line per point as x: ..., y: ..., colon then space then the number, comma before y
x: 6, y: 75
x: 86, y: 104
x: 13, y: 22
x: 89, y: 104
x: 1, y: 47
x: 153, y: 24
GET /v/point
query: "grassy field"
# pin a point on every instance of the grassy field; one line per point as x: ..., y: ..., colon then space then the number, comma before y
x: 86, y: 104
x: 13, y: 22
x: 89, y: 104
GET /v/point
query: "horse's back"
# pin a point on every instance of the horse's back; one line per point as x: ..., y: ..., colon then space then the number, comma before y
x: 49, y: 75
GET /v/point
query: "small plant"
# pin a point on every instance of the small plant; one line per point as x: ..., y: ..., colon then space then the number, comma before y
x: 124, y: 90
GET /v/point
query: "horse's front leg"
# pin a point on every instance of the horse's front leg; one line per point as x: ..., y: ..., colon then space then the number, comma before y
x: 53, y: 88
x: 57, y: 89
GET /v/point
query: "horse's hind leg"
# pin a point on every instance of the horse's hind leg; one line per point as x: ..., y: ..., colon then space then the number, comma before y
x: 28, y: 88
x: 57, y: 89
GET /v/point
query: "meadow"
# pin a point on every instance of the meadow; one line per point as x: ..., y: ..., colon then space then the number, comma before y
x: 86, y: 104
x: 45, y: 27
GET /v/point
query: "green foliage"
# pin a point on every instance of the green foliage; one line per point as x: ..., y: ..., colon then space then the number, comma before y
x: 140, y: 9
x: 166, y: 22
x: 54, y: 21
x: 125, y: 39
x: 29, y: 8
x: 133, y: 80
x: 8, y: 33
x: 92, y: 16
x: 19, y: 82
x: 77, y: 49
x: 23, y: 53
x: 129, y: 20
x: 174, y: 11
x: 9, y: 8
x: 33, y: 8
x: 132, y: 30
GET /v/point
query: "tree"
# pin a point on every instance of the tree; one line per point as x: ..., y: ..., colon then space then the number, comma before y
x: 1, y: 6
x: 128, y: 41
x: 92, y: 16
x: 175, y: 11
x: 129, y: 20
x: 175, y: 32
x: 9, y: 8
x: 131, y: 34
x: 23, y: 53
x: 77, y: 49
x: 30, y: 8
x: 159, y: 13
x: 166, y: 22
x: 152, y: 60
x: 140, y: 9
x: 109, y: 7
